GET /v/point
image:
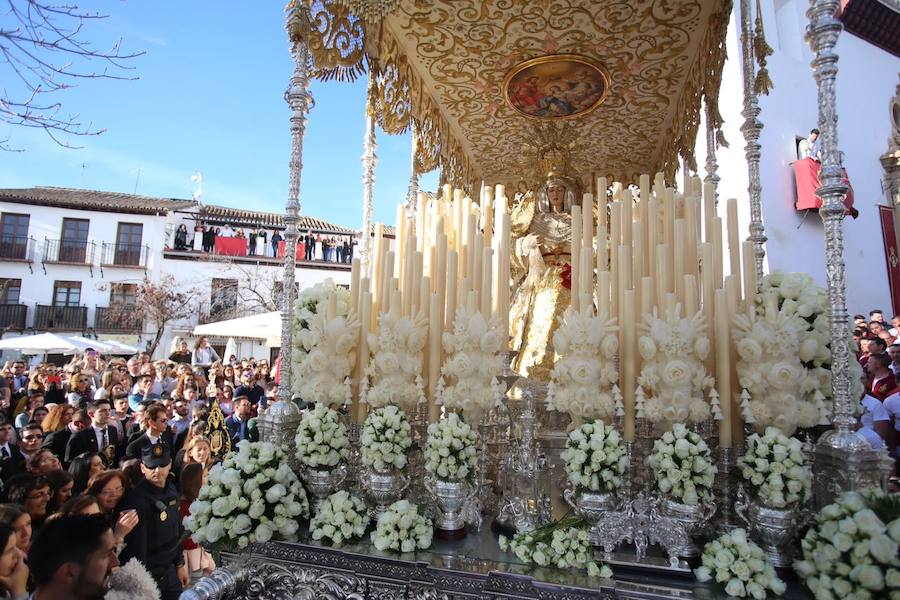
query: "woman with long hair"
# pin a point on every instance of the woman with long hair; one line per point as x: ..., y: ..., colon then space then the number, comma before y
x: 228, y: 374
x: 31, y: 492
x: 198, y: 450
x: 26, y: 416
x: 204, y: 355
x: 84, y: 467
x: 193, y: 476
x: 80, y: 390
x: 58, y: 418
x: 15, y: 516
x: 108, y: 378
x: 108, y: 488
x: 13, y: 570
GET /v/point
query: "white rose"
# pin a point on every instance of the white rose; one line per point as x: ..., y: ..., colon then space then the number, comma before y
x: 676, y: 373
x: 610, y: 346
x: 646, y: 347
x: 263, y: 533
x: 749, y: 350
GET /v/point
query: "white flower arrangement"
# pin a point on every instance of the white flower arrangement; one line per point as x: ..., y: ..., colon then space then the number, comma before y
x: 563, y: 544
x: 450, y: 449
x: 324, y: 343
x: 583, y: 379
x: 783, y: 393
x: 740, y: 566
x: 673, y: 377
x: 468, y: 377
x: 682, y: 466
x: 132, y: 580
x: 385, y: 439
x: 402, y: 528
x: 394, y: 374
x: 595, y: 457
x: 776, y: 470
x: 321, y: 439
x: 341, y: 517
x: 252, y: 496
x: 852, y: 550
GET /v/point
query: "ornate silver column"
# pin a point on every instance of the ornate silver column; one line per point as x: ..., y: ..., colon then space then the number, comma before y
x: 369, y: 161
x: 712, y: 175
x: 300, y: 101
x: 751, y: 130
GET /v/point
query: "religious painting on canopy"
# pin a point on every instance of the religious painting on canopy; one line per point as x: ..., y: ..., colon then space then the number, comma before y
x: 556, y: 87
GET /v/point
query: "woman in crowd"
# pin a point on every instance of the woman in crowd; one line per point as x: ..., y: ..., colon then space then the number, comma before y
x: 13, y: 570
x: 204, y: 354
x: 84, y: 467
x: 80, y: 392
x: 42, y: 462
x: 58, y: 418
x: 200, y: 379
x: 193, y: 476
x: 61, y: 485
x: 108, y: 378
x: 34, y: 404
x: 31, y: 492
x: 80, y: 505
x: 262, y: 373
x: 108, y: 488
x: 197, y: 450
x: 14, y: 516
x: 228, y: 375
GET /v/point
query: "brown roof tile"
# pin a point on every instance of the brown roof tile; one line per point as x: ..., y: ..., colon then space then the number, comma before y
x: 93, y: 200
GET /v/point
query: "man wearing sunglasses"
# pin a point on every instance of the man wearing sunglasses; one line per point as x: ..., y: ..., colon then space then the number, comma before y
x: 32, y: 436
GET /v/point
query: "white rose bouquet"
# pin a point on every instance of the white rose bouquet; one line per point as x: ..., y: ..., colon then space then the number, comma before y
x: 595, y: 457
x: 782, y: 391
x: 468, y: 377
x: 252, y: 496
x: 682, y: 466
x: 341, y: 517
x: 450, y: 449
x: 563, y: 544
x: 851, y: 551
x: 385, y: 439
x: 739, y: 565
x: 775, y: 469
x: 394, y: 374
x: 324, y: 343
x: 321, y: 439
x: 402, y: 528
x: 673, y: 378
x: 583, y: 379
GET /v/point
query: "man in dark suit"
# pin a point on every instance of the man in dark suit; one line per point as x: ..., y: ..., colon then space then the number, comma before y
x: 309, y: 243
x: 157, y: 432
x: 238, y: 423
x: 57, y: 441
x: 29, y: 444
x: 99, y: 437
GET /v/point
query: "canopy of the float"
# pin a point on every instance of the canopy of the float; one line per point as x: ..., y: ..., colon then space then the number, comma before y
x: 443, y: 68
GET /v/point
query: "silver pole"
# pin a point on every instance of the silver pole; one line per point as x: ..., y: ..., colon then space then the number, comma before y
x: 300, y: 101
x: 369, y: 161
x: 712, y: 175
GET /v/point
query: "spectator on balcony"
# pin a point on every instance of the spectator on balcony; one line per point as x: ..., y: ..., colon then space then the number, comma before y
x: 200, y: 237
x: 181, y: 237
x: 204, y: 355
x: 227, y: 231
x: 308, y: 243
x: 209, y: 239
x: 276, y: 239
x: 809, y: 148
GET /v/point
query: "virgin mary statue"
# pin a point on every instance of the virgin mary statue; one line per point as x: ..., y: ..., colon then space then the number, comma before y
x: 542, y: 235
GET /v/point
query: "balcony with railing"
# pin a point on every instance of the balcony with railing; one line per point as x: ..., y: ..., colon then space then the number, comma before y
x: 69, y: 318
x: 17, y: 248
x: 120, y: 254
x: 69, y: 252
x: 12, y: 316
x: 118, y: 318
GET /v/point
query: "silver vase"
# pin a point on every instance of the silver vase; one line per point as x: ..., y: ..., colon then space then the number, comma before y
x: 693, y: 518
x: 774, y: 529
x: 321, y: 483
x: 383, y: 488
x: 591, y: 506
x: 450, y: 496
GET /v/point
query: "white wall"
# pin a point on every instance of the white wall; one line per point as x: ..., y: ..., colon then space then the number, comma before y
x: 866, y: 82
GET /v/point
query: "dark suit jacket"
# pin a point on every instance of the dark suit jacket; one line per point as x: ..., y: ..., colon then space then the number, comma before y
x: 13, y: 464
x: 234, y: 430
x: 86, y: 441
x: 134, y: 448
x: 56, y: 443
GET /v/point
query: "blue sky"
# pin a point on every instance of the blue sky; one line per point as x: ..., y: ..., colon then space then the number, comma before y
x: 209, y: 98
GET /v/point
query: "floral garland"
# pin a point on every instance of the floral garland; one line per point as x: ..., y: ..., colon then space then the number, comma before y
x: 394, y: 374
x: 851, y: 551
x: 782, y: 393
x: 682, y: 466
x: 595, y: 457
x: 563, y: 544
x: 402, y: 528
x: 385, y: 439
x: 583, y: 380
x: 472, y: 363
x: 324, y: 344
x: 341, y: 517
x: 321, y: 439
x: 252, y: 496
x: 740, y: 565
x: 775, y: 469
x: 673, y: 350
x: 450, y: 449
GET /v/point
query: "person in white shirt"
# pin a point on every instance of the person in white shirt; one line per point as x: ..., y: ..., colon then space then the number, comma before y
x: 895, y: 326
x: 875, y: 417
x: 892, y: 406
x: 894, y: 353
x: 227, y: 231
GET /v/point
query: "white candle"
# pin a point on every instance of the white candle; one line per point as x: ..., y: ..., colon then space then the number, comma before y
x: 452, y: 292
x: 587, y: 220
x: 628, y: 374
x: 435, y: 332
x: 486, y: 281
x: 734, y: 242
x: 749, y: 275
x: 354, y: 285
x: 575, y: 255
x: 723, y: 366
x: 603, y: 294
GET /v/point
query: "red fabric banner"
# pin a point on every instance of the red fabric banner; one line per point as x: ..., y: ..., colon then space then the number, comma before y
x: 301, y: 247
x: 889, y: 233
x: 806, y: 174
x: 231, y: 246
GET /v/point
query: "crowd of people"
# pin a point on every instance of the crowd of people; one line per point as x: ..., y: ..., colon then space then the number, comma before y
x: 310, y: 246
x: 101, y: 459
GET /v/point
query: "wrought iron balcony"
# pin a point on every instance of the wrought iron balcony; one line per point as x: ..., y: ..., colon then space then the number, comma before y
x: 18, y: 248
x: 118, y: 318
x: 69, y: 252
x: 60, y: 317
x: 12, y: 316
x: 124, y: 255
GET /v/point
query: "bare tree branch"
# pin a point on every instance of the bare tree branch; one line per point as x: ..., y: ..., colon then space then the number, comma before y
x: 43, y: 48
